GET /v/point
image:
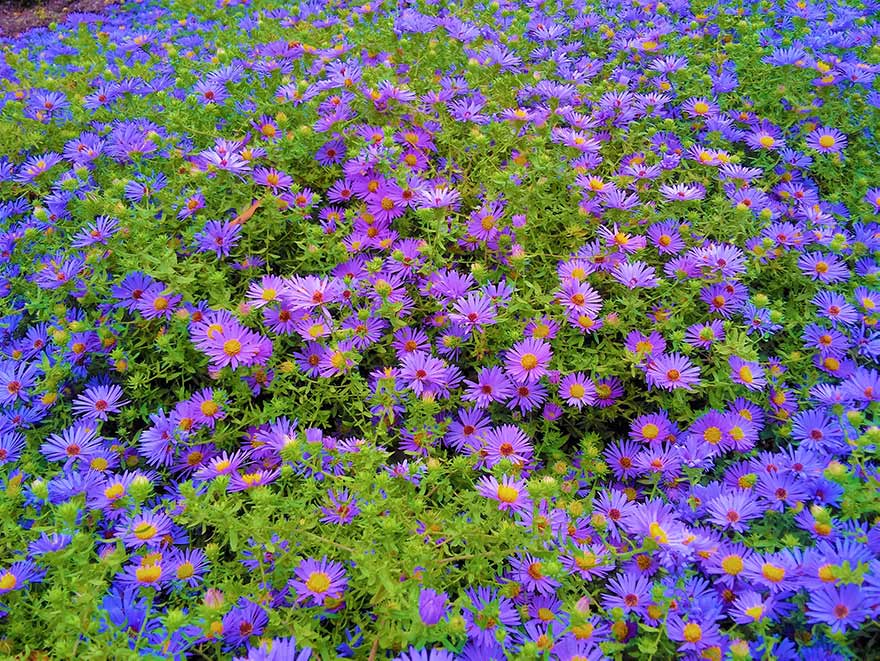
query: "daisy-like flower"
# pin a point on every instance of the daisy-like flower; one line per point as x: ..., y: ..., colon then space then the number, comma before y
x: 706, y: 334
x: 342, y: 508
x: 146, y: 529
x: 423, y: 373
x: 635, y: 274
x: 577, y: 390
x: 745, y: 373
x: 268, y: 290
x: 666, y: 237
x: 507, y: 442
x: 579, y: 297
x: 218, y: 237
x: 74, y: 443
x: 826, y: 140
x: 693, y: 634
x: 97, y: 232
x: 529, y: 572
x: 473, y: 312
x: 510, y: 493
x: 488, y: 616
x: 188, y: 566
x: 97, y: 402
x: 733, y: 510
x: 310, y: 292
x: 492, y: 385
x: 271, y: 178
x: 630, y: 593
x: 19, y: 575
x: 827, y: 268
x: 527, y: 361
x: 608, y: 391
x: 207, y: 410
x: 683, y: 192
x: 840, y: 607
x: 245, y: 620
x: 588, y: 561
x: 319, y: 582
x: 671, y: 371
x: 11, y: 445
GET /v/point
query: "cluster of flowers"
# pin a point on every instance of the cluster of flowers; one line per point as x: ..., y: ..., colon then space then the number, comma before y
x: 577, y: 267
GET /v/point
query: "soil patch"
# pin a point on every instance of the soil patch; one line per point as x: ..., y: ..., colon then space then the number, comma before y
x: 16, y: 16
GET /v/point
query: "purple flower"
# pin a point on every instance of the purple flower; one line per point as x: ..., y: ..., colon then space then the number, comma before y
x: 672, y: 371
x: 432, y: 606
x: 492, y: 385
x: 218, y: 237
x: 319, y: 582
x: 748, y: 374
x: 843, y: 607
x: 97, y: 402
x: 528, y: 360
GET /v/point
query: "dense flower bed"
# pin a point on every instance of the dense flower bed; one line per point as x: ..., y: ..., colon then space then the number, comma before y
x: 514, y: 330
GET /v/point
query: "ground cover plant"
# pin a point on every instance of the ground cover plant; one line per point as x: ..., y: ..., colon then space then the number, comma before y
x: 525, y: 330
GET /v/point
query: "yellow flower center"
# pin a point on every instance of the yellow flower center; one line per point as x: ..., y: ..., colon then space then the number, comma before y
x: 318, y: 582
x: 650, y: 431
x: 693, y: 633
x: 209, y: 407
x: 114, y: 492
x: 148, y: 574
x: 712, y: 435
x: 8, y: 581
x: 145, y: 530
x: 232, y: 348
x: 732, y: 565
x: 529, y: 361
x: 772, y: 573
x: 507, y: 494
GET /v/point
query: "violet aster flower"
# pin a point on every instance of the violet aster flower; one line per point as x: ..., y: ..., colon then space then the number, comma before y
x: 840, y: 607
x: 635, y: 274
x: 529, y: 572
x: 827, y: 268
x: 507, y: 442
x: 423, y: 373
x: 488, y: 616
x: 672, y: 371
x: 632, y: 594
x: 20, y: 575
x: 577, y: 390
x: 748, y: 374
x: 432, y: 606
x: 319, y: 582
x: 579, y: 298
x: 97, y: 402
x: 826, y: 140
x: 271, y: 178
x: 245, y: 620
x: 147, y: 529
x: 733, y: 510
x: 473, y: 312
x: 706, y: 334
x: 492, y: 385
x: 218, y: 237
x: 528, y: 360
x: 511, y: 494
